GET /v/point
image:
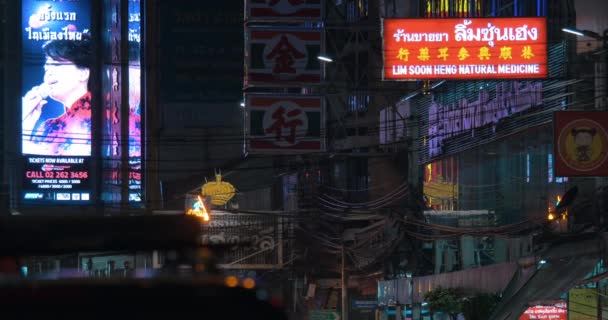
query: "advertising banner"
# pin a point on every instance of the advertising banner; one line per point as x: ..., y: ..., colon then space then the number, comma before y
x: 557, y: 312
x: 478, y: 48
x: 282, y: 57
x: 282, y: 10
x: 56, y: 100
x: 285, y: 124
x: 581, y: 143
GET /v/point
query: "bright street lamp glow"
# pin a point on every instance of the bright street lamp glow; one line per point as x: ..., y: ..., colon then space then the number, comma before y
x: 243, y: 104
x: 573, y: 31
x: 542, y: 261
x: 324, y: 58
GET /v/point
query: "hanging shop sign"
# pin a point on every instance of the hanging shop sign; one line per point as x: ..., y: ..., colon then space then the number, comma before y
x: 285, y: 124
x: 282, y: 57
x: 581, y: 143
x: 282, y: 10
x: 479, y: 48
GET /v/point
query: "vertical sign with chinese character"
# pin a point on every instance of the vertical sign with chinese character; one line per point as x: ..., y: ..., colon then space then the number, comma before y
x: 285, y: 124
x: 477, y: 48
x: 280, y: 57
x: 56, y: 103
x: 283, y: 10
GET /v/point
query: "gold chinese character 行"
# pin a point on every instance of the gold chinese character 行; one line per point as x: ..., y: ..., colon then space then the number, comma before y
x: 463, y: 54
x: 403, y: 54
x: 484, y: 53
x: 424, y: 54
x: 526, y: 52
x: 505, y: 53
x: 443, y: 53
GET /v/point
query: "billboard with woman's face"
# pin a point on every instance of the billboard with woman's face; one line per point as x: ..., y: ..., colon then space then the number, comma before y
x: 57, y: 104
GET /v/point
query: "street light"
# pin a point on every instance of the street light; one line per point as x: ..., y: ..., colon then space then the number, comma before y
x: 325, y: 58
x: 590, y: 34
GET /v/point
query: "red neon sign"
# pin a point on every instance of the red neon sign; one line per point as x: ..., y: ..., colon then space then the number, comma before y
x: 480, y: 48
x: 557, y: 312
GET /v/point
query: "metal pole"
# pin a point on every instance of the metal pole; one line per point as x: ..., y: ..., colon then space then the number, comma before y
x: 344, y: 282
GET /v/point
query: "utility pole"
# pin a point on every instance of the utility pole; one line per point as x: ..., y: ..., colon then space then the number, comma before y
x: 344, y: 285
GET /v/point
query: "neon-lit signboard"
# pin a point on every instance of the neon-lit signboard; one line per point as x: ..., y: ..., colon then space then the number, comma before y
x: 557, y: 312
x: 56, y: 100
x: 479, y: 48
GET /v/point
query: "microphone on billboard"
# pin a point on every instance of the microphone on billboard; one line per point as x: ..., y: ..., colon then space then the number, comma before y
x: 43, y: 91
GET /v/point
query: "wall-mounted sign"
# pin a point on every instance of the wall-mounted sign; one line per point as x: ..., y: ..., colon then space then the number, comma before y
x: 56, y: 102
x: 285, y: 10
x: 285, y: 124
x: 506, y: 99
x: 581, y: 143
x: 282, y: 57
x: 253, y: 241
x: 479, y: 48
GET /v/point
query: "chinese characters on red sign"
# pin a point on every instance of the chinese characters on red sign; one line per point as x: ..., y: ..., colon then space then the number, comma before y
x: 282, y: 57
x: 483, y: 48
x: 284, y: 124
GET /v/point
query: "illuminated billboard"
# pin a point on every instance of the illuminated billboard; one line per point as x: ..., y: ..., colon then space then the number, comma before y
x: 281, y: 124
x: 559, y: 311
x: 56, y: 100
x: 282, y: 56
x: 470, y: 48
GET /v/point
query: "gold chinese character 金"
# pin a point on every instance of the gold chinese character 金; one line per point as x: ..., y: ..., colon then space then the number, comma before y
x: 443, y: 53
x: 463, y: 54
x: 403, y: 54
x: 526, y: 52
x: 484, y: 53
x: 505, y: 53
x: 424, y: 54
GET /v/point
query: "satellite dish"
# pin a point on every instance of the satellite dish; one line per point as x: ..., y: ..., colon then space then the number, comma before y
x: 568, y: 198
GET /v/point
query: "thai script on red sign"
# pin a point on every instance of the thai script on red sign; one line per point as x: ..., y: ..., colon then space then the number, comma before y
x: 557, y: 312
x: 480, y: 48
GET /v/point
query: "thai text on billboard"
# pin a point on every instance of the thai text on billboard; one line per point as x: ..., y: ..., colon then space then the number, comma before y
x: 480, y: 48
x: 56, y: 99
x: 557, y: 312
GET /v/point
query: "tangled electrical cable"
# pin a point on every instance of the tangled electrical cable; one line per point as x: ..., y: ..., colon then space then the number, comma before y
x: 450, y: 232
x: 334, y: 204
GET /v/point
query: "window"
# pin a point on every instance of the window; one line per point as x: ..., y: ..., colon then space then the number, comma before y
x: 550, y: 176
x: 527, y: 167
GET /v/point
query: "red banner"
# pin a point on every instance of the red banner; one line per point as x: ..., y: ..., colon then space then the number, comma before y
x: 557, y: 312
x: 480, y: 48
x: 581, y: 143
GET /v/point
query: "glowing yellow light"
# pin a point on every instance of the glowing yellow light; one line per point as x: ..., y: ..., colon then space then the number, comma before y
x: 248, y: 283
x: 200, y: 210
x: 429, y: 168
x: 559, y: 199
x: 550, y: 216
x: 231, y: 281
